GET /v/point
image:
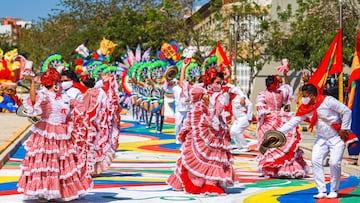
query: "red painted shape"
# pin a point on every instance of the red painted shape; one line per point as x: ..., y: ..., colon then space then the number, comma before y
x: 159, y: 149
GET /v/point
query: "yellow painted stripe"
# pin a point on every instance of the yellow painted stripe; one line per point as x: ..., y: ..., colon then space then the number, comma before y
x: 272, y: 195
x: 6, y: 179
x: 166, y: 131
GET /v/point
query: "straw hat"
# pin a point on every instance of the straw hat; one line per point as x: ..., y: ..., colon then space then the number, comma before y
x: 272, y: 139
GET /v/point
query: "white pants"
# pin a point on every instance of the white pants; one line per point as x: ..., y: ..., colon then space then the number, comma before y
x: 179, y: 118
x: 335, y: 145
x: 237, y: 129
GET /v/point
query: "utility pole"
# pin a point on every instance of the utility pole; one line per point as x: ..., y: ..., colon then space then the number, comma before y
x: 341, y: 75
x: 235, y: 52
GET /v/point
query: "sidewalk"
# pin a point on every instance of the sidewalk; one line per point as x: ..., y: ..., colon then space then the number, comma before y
x: 13, y: 132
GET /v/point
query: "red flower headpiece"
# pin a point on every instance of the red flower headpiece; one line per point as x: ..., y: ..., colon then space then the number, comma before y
x: 50, y: 77
x: 208, y: 76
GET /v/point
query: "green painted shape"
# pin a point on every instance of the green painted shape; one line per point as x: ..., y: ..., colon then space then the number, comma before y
x: 352, y: 197
x: 12, y: 164
x: 277, y: 183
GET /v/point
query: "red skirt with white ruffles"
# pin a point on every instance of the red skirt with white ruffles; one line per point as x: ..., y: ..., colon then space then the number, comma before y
x: 205, y: 165
x: 286, y: 161
x: 50, y: 169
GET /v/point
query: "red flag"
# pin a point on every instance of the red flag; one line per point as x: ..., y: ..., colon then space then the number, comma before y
x: 354, y: 73
x: 355, y: 66
x: 219, y: 52
x: 330, y: 64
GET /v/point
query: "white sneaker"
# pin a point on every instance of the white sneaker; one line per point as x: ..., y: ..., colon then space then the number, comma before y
x: 332, y: 195
x: 320, y: 195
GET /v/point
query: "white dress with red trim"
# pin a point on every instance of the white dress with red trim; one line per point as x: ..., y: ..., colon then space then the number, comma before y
x: 205, y: 165
x: 285, y: 161
x: 88, y: 127
x: 95, y: 124
x: 113, y: 110
x: 51, y: 168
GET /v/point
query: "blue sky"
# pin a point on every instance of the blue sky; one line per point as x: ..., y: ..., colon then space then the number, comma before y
x: 31, y: 10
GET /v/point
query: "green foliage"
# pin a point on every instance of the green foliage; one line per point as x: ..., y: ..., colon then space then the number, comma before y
x: 125, y: 22
x: 312, y: 28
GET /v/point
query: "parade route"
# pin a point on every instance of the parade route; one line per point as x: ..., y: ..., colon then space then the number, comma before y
x: 144, y: 160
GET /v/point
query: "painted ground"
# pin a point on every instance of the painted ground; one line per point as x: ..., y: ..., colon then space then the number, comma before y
x: 144, y: 160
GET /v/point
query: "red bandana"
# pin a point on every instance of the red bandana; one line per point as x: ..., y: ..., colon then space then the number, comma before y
x: 80, y: 87
x: 305, y: 109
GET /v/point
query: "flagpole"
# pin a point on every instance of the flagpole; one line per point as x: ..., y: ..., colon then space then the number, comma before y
x: 235, y: 56
x: 341, y: 75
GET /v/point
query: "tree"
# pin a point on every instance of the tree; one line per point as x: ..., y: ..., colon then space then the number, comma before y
x: 125, y: 22
x: 249, y: 23
x: 312, y: 28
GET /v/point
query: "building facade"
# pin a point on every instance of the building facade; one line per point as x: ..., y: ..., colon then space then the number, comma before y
x: 11, y: 28
x: 229, y: 34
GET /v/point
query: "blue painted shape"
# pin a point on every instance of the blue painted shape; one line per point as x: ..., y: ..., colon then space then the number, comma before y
x: 109, y: 182
x: 170, y: 146
x: 307, y: 195
x: 19, y: 153
x: 8, y: 186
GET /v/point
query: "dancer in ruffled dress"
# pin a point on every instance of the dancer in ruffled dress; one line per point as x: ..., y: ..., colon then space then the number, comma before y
x: 97, y: 123
x: 113, y: 109
x: 50, y: 169
x: 285, y: 161
x: 205, y: 165
x: 88, y: 124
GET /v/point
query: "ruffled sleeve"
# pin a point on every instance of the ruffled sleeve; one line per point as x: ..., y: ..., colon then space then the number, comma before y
x: 287, y: 94
x: 261, y: 108
x: 186, y: 128
x: 35, y: 109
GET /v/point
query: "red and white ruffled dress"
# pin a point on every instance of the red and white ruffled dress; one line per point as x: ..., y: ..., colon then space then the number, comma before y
x: 205, y: 165
x: 285, y: 161
x: 95, y: 123
x: 50, y: 169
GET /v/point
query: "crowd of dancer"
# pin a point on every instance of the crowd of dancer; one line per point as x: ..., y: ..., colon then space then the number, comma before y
x: 75, y: 138
x: 205, y: 133
x: 78, y: 131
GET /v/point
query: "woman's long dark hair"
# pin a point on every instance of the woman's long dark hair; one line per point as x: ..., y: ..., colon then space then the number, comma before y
x: 269, y: 80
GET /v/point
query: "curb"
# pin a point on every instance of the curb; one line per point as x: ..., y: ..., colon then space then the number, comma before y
x: 9, y: 147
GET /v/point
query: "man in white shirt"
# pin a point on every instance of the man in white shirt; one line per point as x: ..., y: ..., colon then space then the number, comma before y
x: 332, y: 120
x: 242, y: 113
x: 181, y: 108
